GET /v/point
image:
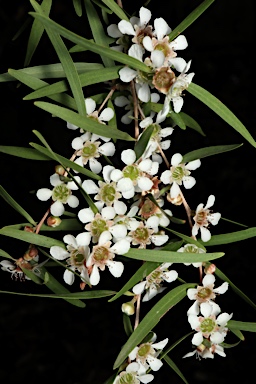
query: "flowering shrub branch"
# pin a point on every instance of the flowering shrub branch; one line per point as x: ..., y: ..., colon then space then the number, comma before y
x: 122, y: 182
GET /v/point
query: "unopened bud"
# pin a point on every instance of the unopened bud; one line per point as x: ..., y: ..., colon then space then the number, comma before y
x: 210, y: 269
x: 175, y: 200
x: 128, y: 308
x: 59, y: 169
x: 28, y: 229
x: 31, y: 253
x: 53, y: 221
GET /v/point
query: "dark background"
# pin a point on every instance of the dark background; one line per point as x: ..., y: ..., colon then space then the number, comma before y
x: 43, y: 339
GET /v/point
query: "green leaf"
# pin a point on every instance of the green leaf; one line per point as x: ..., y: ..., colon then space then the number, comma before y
x: 93, y: 77
x: 142, y: 143
x: 65, y: 225
x: 171, y: 257
x: 66, y: 162
x: 30, y: 237
x: 171, y: 364
x: 97, y: 30
x: 5, y: 195
x: 78, y: 7
x: 221, y: 110
x: 116, y: 9
x: 25, y: 153
x: 191, y: 123
x: 35, y: 83
x: 83, y: 122
x: 50, y: 71
x: 231, y: 237
x: 190, y: 19
x: 68, y: 295
x: 36, y: 33
x: 151, y: 319
x: 5, y: 254
x: 127, y: 325
x: 208, y: 151
x: 177, y: 120
x: 96, y: 48
x: 223, y: 277
x: 187, y: 239
x: 238, y: 334
x: 67, y: 63
x: 241, y: 325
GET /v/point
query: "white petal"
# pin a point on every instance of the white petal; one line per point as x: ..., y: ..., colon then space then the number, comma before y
x: 166, y: 176
x: 68, y: 277
x: 108, y: 213
x: 177, y: 104
x: 155, y: 364
x: 145, y: 165
x: 150, y: 293
x: 223, y: 318
x: 121, y: 247
x: 127, y: 118
x: 128, y: 156
x: 83, y: 239
x: 205, y: 234
x: 161, y: 28
x: 214, y: 218
x: 189, y: 182
x: 206, y: 309
x: 197, y: 339
x: 147, y: 43
x: 44, y: 194
x: 175, y: 190
x: 127, y: 74
x: 104, y: 237
x: 125, y: 185
x: 90, y: 105
x: 73, y: 201
x: 106, y: 171
x: 116, y: 175
x: 128, y: 194
x: 191, y: 293
x: 152, y: 222
x: 143, y: 92
x: 59, y: 253
x: 160, y: 344
x: 77, y: 143
x: 119, y: 231
x: 120, y: 207
x: 86, y: 215
x: 139, y: 288
x: 159, y: 240
x: 132, y: 356
x: 107, y: 114
x: 121, y: 101
x: 70, y: 240
x: 95, y: 276
x: 166, y: 132
x: 146, y: 378
x: 222, y: 288
x: 71, y: 126
x: 113, y: 31
x: 157, y: 58
x: 217, y: 338
x: 192, y: 165
x: 72, y: 185
x: 176, y: 159
x: 179, y: 43
x: 95, y: 166
x: 178, y: 63
x: 126, y: 27
x: 194, y: 309
x: 208, y: 279
x: 146, y: 122
x: 195, y: 229
x: 90, y: 187
x: 145, y: 16
x: 57, y: 208
x: 136, y: 51
x: 144, y: 183
x: 170, y: 276
x: 55, y: 180
x: 116, y: 268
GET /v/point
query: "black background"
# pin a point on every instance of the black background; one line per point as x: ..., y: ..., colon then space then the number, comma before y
x: 43, y: 339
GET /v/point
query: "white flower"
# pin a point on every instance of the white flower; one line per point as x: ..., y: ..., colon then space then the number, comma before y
x: 192, y: 248
x: 144, y: 236
x: 203, y: 218
x: 135, y: 177
x: 102, y: 255
x: 153, y: 283
x: 88, y: 150
x: 146, y: 354
x: 205, y: 293
x: 14, y: 269
x: 61, y: 194
x: 179, y: 174
x: 76, y: 256
x: 208, y: 326
x: 206, y: 350
x: 153, y: 214
x: 132, y: 375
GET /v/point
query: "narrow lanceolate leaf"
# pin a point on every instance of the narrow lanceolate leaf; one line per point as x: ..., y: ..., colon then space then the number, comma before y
x: 208, y: 151
x: 171, y: 364
x: 151, y: 319
x: 67, y: 63
x: 25, y: 153
x: 35, y: 83
x: 91, y: 46
x: 116, y: 9
x: 232, y: 237
x: 78, y: 7
x: 238, y: 334
x: 5, y: 254
x: 171, y: 257
x: 94, y: 77
x: 191, y: 123
x: 187, y: 239
x: 36, y: 33
x: 68, y: 163
x: 177, y: 120
x: 241, y: 325
x: 31, y: 238
x: 223, y: 277
x: 220, y: 109
x: 83, y: 122
x: 97, y: 30
x: 190, y: 19
x: 68, y: 295
x: 127, y: 325
x: 49, y: 71
x: 65, y: 225
x: 142, y: 143
x: 5, y: 195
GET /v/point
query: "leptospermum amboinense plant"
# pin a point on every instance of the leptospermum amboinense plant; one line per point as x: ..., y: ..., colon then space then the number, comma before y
x: 122, y: 182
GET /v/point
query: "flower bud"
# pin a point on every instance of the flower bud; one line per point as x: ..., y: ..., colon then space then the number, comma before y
x: 31, y: 253
x: 128, y: 308
x: 59, y: 169
x: 210, y: 269
x: 53, y: 221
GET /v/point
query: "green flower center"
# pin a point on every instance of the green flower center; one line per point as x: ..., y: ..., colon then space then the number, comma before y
x: 191, y: 249
x: 128, y: 378
x: 131, y: 171
x: 101, y: 254
x: 163, y: 48
x: 108, y: 193
x: 207, y: 325
x: 204, y: 293
x: 61, y: 193
x: 148, y: 209
x: 144, y: 350
x: 98, y: 226
x: 89, y: 150
x: 141, y: 234
x: 155, y: 277
x: 178, y: 173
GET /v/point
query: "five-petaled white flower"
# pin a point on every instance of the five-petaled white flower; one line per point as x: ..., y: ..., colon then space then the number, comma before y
x: 76, y: 255
x: 204, y: 217
x: 133, y: 375
x: 206, y: 350
x: 192, y: 248
x: 179, y: 174
x: 61, y: 194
